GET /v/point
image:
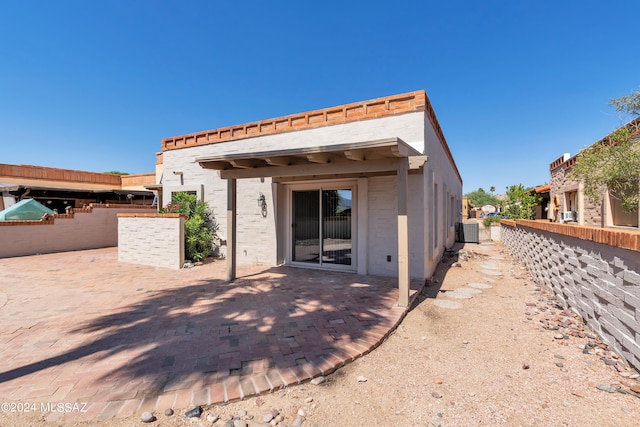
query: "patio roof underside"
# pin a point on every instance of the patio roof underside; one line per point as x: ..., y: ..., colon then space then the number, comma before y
x: 360, y: 158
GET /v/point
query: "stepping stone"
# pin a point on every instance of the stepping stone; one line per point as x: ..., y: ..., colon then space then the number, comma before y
x: 491, y: 273
x: 469, y: 291
x: 479, y: 285
x: 490, y: 266
x: 458, y: 295
x: 443, y: 303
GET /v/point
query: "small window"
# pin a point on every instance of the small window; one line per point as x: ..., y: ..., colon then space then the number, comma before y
x: 571, y: 200
x: 620, y: 217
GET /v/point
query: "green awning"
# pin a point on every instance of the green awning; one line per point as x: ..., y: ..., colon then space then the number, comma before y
x: 27, y: 209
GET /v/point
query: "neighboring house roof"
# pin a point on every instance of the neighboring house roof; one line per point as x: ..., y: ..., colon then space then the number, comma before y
x: 364, y: 110
x: 27, y: 209
x: 542, y: 188
x: 43, y: 182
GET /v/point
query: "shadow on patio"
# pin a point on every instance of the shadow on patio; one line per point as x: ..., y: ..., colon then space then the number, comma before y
x: 218, y: 341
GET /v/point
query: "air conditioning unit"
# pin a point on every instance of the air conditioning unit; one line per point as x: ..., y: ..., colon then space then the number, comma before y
x: 569, y: 216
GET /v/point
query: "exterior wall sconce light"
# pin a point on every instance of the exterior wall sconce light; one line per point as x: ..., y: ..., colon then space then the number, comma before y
x: 262, y: 204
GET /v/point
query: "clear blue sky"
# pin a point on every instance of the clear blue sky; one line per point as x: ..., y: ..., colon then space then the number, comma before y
x: 95, y: 85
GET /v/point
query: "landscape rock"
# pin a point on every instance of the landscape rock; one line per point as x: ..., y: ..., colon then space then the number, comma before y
x: 194, y: 413
x: 147, y: 417
x: 607, y: 388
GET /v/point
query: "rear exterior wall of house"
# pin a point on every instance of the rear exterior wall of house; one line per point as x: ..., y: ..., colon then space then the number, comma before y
x: 264, y: 239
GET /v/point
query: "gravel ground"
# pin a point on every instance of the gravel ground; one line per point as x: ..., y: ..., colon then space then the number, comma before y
x: 506, y: 356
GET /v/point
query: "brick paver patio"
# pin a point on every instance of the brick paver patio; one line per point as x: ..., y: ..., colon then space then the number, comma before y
x: 123, y: 338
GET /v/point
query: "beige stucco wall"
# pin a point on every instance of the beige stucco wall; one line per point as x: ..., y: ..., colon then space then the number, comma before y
x: 89, y: 229
x: 439, y: 227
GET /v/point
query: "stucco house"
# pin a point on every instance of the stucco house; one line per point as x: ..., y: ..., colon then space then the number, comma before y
x: 368, y: 187
x: 568, y: 203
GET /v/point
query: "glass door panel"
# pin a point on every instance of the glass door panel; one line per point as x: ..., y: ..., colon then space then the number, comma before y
x: 306, y: 226
x: 336, y: 227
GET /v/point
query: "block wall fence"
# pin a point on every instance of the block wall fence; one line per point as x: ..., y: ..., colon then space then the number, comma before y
x: 95, y: 226
x: 593, y: 271
x: 151, y: 239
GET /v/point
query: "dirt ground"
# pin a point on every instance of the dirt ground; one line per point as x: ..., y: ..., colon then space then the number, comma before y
x: 508, y: 356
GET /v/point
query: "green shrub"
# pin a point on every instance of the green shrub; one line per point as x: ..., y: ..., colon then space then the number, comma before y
x: 200, y: 227
x: 491, y: 220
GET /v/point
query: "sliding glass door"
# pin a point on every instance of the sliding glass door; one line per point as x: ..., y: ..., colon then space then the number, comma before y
x: 306, y: 226
x: 321, y: 226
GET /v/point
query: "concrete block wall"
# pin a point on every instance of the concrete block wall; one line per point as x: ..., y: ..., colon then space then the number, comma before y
x: 593, y: 271
x: 87, y: 228
x: 256, y: 234
x: 151, y: 239
x: 383, y: 226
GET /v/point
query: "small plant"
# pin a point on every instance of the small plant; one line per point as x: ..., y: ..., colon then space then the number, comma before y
x: 200, y: 227
x: 491, y: 220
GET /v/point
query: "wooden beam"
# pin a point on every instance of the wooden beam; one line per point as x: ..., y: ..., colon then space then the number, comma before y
x: 216, y: 165
x: 367, y: 166
x: 280, y: 161
x: 246, y: 163
x: 356, y: 155
x: 319, y: 157
x: 416, y: 162
x: 402, y: 150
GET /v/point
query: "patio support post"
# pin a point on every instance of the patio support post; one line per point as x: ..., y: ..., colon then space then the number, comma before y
x: 231, y: 229
x: 403, y: 233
